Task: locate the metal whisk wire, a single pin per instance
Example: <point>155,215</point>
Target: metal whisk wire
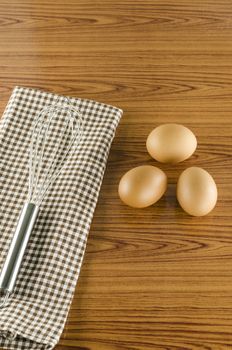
<point>39,183</point>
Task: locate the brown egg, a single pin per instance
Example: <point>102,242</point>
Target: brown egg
<point>142,186</point>
<point>196,191</point>
<point>171,143</point>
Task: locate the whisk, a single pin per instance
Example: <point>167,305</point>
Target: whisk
<point>56,132</point>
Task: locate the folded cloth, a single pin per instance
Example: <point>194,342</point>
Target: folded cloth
<point>37,311</point>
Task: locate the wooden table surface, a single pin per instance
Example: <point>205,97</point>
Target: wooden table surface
<point>154,278</point>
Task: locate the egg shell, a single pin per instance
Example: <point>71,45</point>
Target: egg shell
<point>196,191</point>
<point>142,186</point>
<point>171,143</point>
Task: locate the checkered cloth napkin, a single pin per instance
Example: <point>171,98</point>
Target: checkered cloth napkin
<point>37,311</point>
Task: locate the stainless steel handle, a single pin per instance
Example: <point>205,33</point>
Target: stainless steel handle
<point>17,248</point>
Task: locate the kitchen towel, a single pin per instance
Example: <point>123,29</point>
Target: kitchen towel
<point>37,311</point>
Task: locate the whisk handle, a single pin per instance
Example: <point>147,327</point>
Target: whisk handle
<point>18,246</point>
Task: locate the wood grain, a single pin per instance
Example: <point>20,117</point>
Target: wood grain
<point>155,278</point>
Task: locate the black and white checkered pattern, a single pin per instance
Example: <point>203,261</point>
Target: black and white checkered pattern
<point>36,314</point>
